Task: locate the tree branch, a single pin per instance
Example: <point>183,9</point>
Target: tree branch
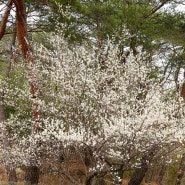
<point>155,9</point>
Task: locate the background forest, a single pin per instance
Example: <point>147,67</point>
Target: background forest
<point>92,92</point>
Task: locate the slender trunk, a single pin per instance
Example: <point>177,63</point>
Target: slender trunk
<point>88,157</point>
<point>161,174</point>
<point>5,19</point>
<point>176,76</point>
<point>2,114</point>
<point>139,173</point>
<point>133,46</point>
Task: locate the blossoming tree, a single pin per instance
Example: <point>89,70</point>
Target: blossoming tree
<point>115,118</point>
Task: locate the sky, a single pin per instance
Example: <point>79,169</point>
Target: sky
<point>179,8</point>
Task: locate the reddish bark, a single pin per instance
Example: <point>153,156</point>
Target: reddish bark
<point>21,28</point>
<point>5,19</point>
<point>32,173</point>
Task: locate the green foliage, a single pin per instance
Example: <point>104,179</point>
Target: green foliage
<point>41,38</point>
<point>9,110</point>
<point>172,174</point>
<point>2,70</point>
<point>178,60</point>
<point>95,21</point>
<point>16,100</point>
<point>21,130</point>
<point>173,28</point>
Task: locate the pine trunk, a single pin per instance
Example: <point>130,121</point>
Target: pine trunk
<point>32,172</point>
<point>4,19</point>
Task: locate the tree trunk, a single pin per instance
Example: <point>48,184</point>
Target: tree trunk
<point>12,176</point>
<point>2,114</point>
<point>5,19</point>
<point>183,88</point>
<point>138,176</point>
<point>96,178</point>
<point>21,30</point>
<point>95,181</point>
<point>161,174</point>
<point>32,175</point>
<point>139,173</point>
